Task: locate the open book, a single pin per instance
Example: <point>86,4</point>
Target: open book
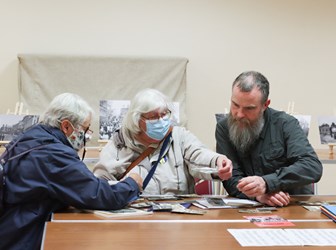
<point>213,202</point>
<point>125,212</point>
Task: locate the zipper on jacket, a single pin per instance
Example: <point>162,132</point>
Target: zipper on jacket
<point>178,178</point>
<point>118,150</point>
<point>176,166</point>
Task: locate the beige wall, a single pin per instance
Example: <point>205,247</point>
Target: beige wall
<point>293,42</point>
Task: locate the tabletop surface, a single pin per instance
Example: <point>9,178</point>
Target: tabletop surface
<point>72,229</point>
<point>155,235</point>
<point>291,212</point>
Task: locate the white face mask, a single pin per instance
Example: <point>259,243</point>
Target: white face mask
<point>78,138</point>
<point>157,130</point>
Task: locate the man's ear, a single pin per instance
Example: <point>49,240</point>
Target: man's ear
<point>267,103</point>
<point>66,127</point>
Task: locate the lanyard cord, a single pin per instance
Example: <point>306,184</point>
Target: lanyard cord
<point>152,170</point>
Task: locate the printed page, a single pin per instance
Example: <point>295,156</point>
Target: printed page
<point>315,237</point>
<point>264,237</point>
<point>284,237</point>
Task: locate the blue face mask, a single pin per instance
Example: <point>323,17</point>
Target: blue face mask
<point>157,130</point>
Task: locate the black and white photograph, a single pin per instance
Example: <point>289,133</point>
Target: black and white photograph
<point>304,121</point>
<point>13,125</point>
<point>112,113</point>
<point>327,129</point>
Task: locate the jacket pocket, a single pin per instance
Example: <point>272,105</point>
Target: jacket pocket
<point>274,157</point>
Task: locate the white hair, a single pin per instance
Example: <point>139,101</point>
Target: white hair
<point>143,102</point>
<point>67,106</point>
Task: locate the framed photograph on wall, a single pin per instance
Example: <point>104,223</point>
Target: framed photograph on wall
<point>304,121</point>
<point>13,125</point>
<point>327,129</point>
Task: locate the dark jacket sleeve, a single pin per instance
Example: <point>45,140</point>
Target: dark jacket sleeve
<point>291,156</point>
<point>71,182</point>
<point>225,147</point>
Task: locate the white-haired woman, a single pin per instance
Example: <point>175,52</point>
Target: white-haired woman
<point>167,157</point>
<point>42,172</point>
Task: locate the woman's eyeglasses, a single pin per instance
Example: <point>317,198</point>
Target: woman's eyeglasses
<point>153,119</point>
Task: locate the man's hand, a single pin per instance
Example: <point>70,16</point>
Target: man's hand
<point>224,167</point>
<point>137,178</point>
<point>279,199</point>
<point>252,186</point>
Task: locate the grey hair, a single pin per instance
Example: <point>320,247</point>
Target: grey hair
<point>67,106</point>
<point>246,81</point>
<point>143,102</point>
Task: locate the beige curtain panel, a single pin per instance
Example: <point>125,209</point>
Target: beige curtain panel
<point>95,78</point>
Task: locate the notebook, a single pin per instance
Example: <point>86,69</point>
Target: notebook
<point>329,211</point>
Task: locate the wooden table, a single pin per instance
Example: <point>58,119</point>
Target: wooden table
<point>164,230</point>
<point>155,235</point>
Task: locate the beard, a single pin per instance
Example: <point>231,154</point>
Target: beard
<point>243,133</point>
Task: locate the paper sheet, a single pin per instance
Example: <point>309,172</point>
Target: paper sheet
<point>284,237</point>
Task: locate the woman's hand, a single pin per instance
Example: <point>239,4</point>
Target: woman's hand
<point>224,166</point>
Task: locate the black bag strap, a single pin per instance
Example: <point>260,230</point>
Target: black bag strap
<point>152,170</point>
<point>3,161</point>
<point>2,182</point>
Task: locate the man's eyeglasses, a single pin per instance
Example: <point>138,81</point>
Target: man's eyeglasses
<point>153,119</point>
<point>87,130</point>
<point>87,136</point>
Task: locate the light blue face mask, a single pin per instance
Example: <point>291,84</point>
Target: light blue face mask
<point>157,130</point>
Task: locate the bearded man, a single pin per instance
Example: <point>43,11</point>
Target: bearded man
<point>271,155</point>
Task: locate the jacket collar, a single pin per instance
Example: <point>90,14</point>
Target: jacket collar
<point>267,120</point>
<point>57,133</point>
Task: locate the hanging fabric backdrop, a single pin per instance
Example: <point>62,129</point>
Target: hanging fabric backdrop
<point>95,78</point>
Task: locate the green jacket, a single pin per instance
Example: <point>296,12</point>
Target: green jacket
<point>282,156</point>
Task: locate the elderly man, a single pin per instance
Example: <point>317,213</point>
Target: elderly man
<point>42,173</point>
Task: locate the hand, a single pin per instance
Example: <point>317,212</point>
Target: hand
<point>252,186</point>
<point>279,199</point>
<point>224,167</point>
<point>137,178</point>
